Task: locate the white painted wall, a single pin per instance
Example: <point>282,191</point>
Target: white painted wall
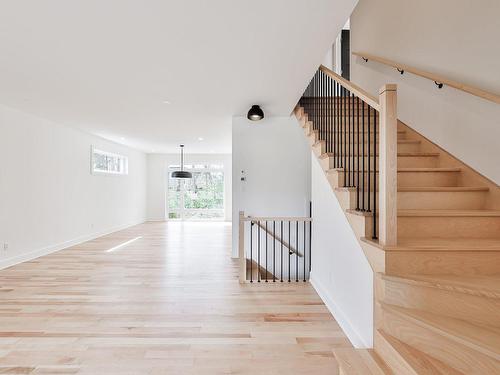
<point>340,272</point>
<point>158,180</point>
<point>455,38</point>
<point>276,160</point>
<point>48,197</point>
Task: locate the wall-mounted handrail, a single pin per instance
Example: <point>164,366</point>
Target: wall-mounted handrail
<point>436,78</point>
<point>358,91</point>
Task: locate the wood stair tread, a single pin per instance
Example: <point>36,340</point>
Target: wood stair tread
<point>438,189</point>
<point>439,244</point>
<point>418,361</point>
<point>431,213</point>
<point>485,286</point>
<point>449,213</point>
<point>359,361</point>
<point>481,338</point>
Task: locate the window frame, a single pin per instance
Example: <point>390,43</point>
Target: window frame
<point>220,168</point>
<point>123,159</point>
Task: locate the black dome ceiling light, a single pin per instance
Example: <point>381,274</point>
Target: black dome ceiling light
<point>182,173</point>
<point>255,113</point>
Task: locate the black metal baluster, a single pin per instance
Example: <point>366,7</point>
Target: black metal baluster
<point>258,252</point>
<point>337,118</point>
<point>282,239</point>
<point>334,119</point>
<point>251,255</point>
<point>353,159</point>
<point>349,138</point>
<point>369,208</point>
<point>375,162</point>
<point>297,251</point>
<point>363,158</point>
<point>328,108</point>
<point>274,251</point>
<point>289,251</point>
<point>310,236</point>
<point>267,236</point>
<point>357,156</point>
<point>304,251</point>
<point>344,130</point>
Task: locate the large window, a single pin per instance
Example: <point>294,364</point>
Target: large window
<point>197,198</point>
<point>108,163</point>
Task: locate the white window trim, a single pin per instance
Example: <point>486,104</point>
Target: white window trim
<point>94,149</point>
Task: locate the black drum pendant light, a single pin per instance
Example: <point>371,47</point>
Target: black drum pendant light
<point>255,113</point>
<point>182,173</point>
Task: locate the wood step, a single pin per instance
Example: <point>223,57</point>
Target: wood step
<point>475,299</point>
<point>405,160</point>
<point>478,224</point>
<point>359,361</point>
<point>407,177</point>
<point>467,347</point>
<point>440,244</point>
<point>404,359</point>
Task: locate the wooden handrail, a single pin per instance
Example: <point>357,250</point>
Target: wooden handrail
<point>358,91</point>
<point>433,77</point>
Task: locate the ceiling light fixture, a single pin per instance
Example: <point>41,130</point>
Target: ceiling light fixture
<point>166,102</point>
<point>200,138</point>
<point>182,173</point>
<point>255,113</point>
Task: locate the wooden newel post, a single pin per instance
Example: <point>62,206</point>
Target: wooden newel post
<point>241,248</point>
<point>388,165</point>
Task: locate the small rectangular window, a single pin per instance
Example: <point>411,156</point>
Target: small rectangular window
<point>108,163</point>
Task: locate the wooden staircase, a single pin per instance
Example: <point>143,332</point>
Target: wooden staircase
<point>437,291</point>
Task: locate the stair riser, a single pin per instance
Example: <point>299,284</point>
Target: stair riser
<point>403,162</point>
<point>449,262</point>
<point>405,179</point>
<point>478,309</point>
<point>445,200</point>
<point>417,161</point>
<point>425,179</point>
<point>391,356</point>
<point>441,347</point>
<point>418,200</point>
<point>449,227</point>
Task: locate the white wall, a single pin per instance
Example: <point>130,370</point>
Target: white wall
<point>455,38</point>
<point>48,197</point>
<point>158,179</point>
<point>340,272</point>
<point>276,159</point>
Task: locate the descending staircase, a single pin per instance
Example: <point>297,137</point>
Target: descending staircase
<point>437,291</point>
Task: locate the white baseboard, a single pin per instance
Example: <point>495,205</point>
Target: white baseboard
<point>354,337</point>
<point>30,255</point>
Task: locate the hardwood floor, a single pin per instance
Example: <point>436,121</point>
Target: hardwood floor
<point>166,302</point>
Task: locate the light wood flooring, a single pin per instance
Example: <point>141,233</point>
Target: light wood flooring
<point>167,302</point>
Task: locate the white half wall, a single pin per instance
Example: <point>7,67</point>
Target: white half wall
<point>158,180</point>
<point>274,159</point>
<point>340,272</point>
<point>49,199</point>
<point>454,38</point>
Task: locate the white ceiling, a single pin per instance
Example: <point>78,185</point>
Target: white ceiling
<point>107,66</point>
